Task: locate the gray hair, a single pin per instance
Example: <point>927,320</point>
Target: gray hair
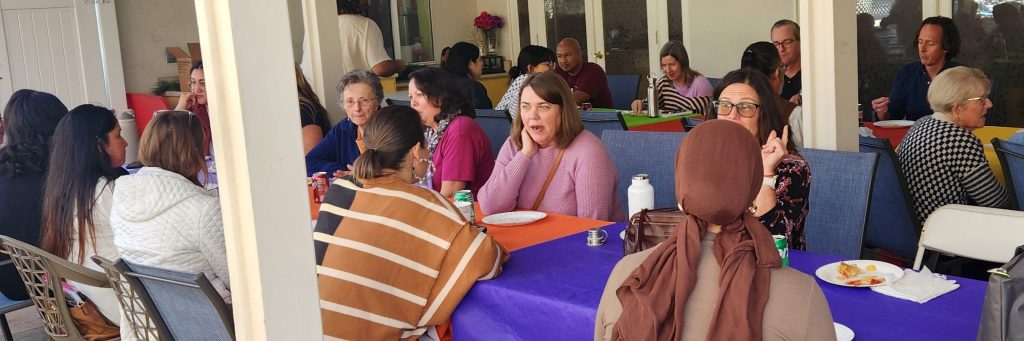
<point>954,86</point>
<point>356,77</point>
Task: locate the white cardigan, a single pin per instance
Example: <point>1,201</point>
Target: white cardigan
<point>161,219</point>
<point>104,236</point>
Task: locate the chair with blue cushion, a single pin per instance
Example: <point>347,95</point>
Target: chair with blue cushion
<point>144,325</point>
<point>392,101</point>
<point>188,305</point>
<point>714,81</point>
<point>1011,157</point>
<point>496,124</point>
<point>651,153</point>
<point>8,305</point>
<point>599,121</point>
<point>839,201</point>
<point>624,89</point>
<point>892,223</point>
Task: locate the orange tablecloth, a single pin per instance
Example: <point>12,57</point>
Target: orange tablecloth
<point>552,227</point>
<point>895,135</point>
<point>985,134</point>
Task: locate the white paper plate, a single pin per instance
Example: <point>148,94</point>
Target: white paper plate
<point>843,333</point>
<point>830,272</point>
<point>894,124</point>
<point>514,218</point>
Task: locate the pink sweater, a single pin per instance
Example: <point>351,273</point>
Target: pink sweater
<point>584,184</point>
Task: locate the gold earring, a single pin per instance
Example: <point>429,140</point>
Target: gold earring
<point>752,209</point>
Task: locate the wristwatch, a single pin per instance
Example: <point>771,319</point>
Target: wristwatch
<point>769,181</point>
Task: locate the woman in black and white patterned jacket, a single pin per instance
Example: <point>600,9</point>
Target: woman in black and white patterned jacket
<point>943,161</point>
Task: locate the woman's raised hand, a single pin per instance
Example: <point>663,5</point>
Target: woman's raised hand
<point>773,150</point>
<point>529,146</point>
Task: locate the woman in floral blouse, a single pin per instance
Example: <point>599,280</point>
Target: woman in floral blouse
<point>782,202</point>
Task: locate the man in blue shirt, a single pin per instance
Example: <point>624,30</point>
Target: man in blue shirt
<point>938,41</point>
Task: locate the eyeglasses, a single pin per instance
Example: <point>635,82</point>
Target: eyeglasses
<point>193,84</point>
<point>363,102</point>
<point>724,108</point>
<point>981,99</point>
<point>788,43</point>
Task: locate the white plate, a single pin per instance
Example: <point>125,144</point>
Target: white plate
<point>843,333</point>
<point>830,273</point>
<point>514,218</point>
<point>894,124</point>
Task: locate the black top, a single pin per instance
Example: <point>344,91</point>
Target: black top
<point>308,117</point>
<point>476,92</point>
<point>21,205</point>
<point>791,86</point>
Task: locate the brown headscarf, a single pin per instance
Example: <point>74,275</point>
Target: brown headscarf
<point>727,159</point>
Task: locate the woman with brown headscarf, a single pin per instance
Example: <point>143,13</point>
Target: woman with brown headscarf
<point>718,276</point>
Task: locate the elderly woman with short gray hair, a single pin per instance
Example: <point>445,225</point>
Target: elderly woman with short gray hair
<point>360,94</point>
<point>943,161</point>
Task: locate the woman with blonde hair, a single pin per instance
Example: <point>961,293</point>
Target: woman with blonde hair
<point>550,162</point>
<point>162,216</point>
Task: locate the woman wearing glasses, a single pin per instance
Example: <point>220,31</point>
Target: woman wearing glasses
<point>360,96</point>
<point>533,59</point>
<point>680,88</point>
<point>195,101</point>
<point>943,160</point>
<point>745,97</point>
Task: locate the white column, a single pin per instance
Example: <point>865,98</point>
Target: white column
<point>324,53</point>
<point>828,50</point>
<point>110,50</point>
<point>253,104</point>
<point>931,8</point>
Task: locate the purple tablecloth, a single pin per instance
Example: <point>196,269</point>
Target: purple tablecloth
<point>551,291</point>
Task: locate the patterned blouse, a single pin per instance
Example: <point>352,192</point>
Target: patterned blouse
<point>945,164</point>
<point>510,100</point>
<point>792,189</point>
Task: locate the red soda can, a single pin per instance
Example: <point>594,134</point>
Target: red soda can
<point>587,106</point>
<point>320,186</point>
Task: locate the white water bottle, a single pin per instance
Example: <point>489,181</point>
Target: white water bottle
<point>640,194</point>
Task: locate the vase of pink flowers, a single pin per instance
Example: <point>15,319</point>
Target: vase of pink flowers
<point>489,24</point>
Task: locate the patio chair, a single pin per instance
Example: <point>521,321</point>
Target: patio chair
<point>8,305</point>
<point>624,89</point>
<point>838,203</point>
<point>144,325</point>
<point>191,309</point>
<point>47,295</point>
<point>651,153</point>
<point>1011,158</point>
<point>599,121</point>
<point>892,223</point>
<point>496,124</point>
<point>392,101</point>
<point>995,240</point>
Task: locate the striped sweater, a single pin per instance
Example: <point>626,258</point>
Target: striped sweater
<point>670,100</point>
<point>393,259</point>
<point>945,164</point>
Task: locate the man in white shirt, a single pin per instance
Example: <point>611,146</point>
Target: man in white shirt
<point>362,44</point>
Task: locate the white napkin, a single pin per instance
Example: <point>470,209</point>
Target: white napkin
<point>865,131</point>
<point>919,287</point>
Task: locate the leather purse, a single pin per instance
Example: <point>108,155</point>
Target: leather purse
<point>647,228</point>
<point>91,324</point>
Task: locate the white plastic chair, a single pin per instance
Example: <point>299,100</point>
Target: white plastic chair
<point>983,233</point>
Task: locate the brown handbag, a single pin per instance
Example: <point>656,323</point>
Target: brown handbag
<point>91,323</point>
<point>647,228</point>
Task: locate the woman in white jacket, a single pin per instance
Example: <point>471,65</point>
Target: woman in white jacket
<point>87,155</point>
<point>162,216</point>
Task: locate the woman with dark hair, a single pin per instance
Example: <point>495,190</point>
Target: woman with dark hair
<point>87,155</point>
<point>29,121</point>
<point>315,124</point>
<point>162,216</point>
<point>533,59</point>
<point>718,276</point>
<point>938,42</point>
<point>763,56</point>
<point>680,88</point>
<point>459,148</point>
<point>465,63</point>
<point>383,194</point>
<point>745,97</point>
<point>550,163</point>
<point>195,101</point>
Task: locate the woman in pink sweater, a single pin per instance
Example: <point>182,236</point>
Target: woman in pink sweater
<point>548,142</point>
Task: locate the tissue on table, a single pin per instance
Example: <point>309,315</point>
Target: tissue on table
<point>919,287</point>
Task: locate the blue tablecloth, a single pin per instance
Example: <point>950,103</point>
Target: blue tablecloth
<point>551,291</point>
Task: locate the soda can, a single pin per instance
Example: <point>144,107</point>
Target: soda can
<point>782,244</point>
<point>319,186</point>
<point>464,202</point>
<point>586,106</point>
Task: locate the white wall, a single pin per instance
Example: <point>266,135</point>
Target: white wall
<point>146,27</point>
<point>503,9</point>
<point>452,22</point>
<point>716,31</point>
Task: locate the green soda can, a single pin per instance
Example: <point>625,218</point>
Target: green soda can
<point>782,244</point>
<point>464,202</point>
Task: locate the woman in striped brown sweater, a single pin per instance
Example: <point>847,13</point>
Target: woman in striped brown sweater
<point>394,259</point>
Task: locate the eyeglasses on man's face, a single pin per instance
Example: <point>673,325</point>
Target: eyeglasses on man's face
<point>744,109</point>
<point>788,43</point>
